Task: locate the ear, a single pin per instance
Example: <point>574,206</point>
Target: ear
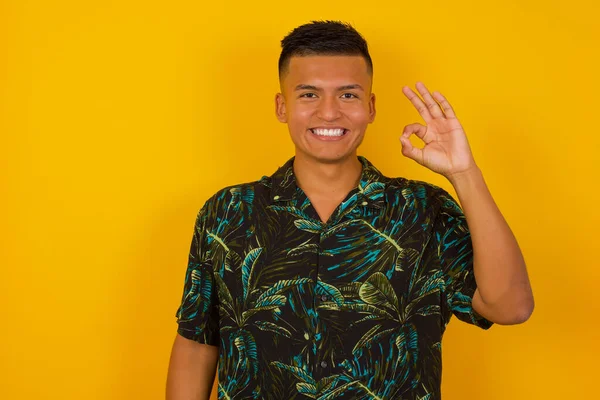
<point>372,110</point>
<point>280,108</point>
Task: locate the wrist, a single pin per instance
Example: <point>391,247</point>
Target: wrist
<point>465,177</point>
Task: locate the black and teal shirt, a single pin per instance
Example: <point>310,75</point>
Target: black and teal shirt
<point>354,308</point>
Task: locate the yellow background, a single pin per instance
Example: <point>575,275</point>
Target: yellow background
<point>120,118</point>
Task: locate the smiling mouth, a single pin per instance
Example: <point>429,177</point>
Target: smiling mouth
<point>337,132</point>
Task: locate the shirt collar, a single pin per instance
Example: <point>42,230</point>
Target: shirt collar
<point>370,190</point>
<point>284,182</point>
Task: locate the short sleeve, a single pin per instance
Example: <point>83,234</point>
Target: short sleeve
<point>455,252</point>
<point>197,315</point>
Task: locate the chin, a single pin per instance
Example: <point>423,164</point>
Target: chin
<point>328,158</point>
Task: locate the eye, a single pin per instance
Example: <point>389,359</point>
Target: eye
<point>349,96</point>
<point>308,95</point>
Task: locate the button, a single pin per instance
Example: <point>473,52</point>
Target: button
<point>323,364</point>
<point>364,203</point>
<point>324,297</point>
<point>276,198</point>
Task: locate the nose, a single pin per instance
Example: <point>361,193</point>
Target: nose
<point>328,109</point>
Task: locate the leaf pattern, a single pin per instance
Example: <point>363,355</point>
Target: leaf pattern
<point>351,308</point>
<point>248,267</point>
<point>269,326</point>
<point>378,291</point>
<point>325,289</point>
<point>366,337</point>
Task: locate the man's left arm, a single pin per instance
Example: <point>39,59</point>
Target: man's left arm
<point>503,294</point>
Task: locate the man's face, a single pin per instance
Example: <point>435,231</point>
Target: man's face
<point>327,103</point>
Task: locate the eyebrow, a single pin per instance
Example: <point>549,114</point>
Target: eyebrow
<point>303,86</point>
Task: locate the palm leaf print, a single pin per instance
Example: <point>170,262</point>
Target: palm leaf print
<point>247,268</point>
<point>232,260</point>
<point>367,318</point>
<point>242,197</point>
<point>298,372</point>
<point>215,237</point>
<point>411,194</point>
<point>199,294</point>
<point>429,310</point>
<point>306,389</point>
<point>460,302</point>
<point>331,291</point>
<point>433,284</point>
<point>276,300</point>
<point>304,248</point>
<point>281,286</point>
<point>269,326</point>
<point>406,258</point>
<point>328,382</point>
<point>289,209</point>
<point>223,393</point>
<point>267,303</point>
<point>339,390</point>
<point>351,290</point>
<point>205,283</point>
<point>247,355</point>
<point>407,345</point>
<point>308,226</point>
<point>343,225</point>
<point>223,293</point>
<point>377,290</point>
<point>366,337</point>
<point>342,389</point>
<point>371,188</point>
<point>361,308</point>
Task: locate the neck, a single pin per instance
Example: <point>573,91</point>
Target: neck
<point>330,180</point>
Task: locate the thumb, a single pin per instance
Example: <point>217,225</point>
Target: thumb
<point>410,151</point>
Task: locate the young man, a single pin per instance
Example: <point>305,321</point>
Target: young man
<point>327,279</point>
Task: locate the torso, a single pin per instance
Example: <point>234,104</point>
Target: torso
<point>351,308</point>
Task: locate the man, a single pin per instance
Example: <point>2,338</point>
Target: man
<point>327,279</point>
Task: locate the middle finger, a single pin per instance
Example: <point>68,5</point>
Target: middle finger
<point>432,105</point>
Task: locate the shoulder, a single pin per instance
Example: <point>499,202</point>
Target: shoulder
<point>420,193</point>
<point>245,193</point>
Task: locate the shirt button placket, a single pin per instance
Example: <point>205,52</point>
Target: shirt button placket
<point>322,363</point>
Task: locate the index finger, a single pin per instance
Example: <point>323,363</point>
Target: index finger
<point>418,103</point>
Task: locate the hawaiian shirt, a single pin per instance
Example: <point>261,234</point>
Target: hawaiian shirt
<point>354,308</point>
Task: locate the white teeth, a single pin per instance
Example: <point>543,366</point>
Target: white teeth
<point>328,132</point>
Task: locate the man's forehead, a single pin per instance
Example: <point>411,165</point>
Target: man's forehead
<point>314,62</point>
<point>327,70</point>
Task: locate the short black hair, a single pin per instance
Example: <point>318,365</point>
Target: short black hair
<point>326,38</point>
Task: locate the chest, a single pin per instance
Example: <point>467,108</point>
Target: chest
<point>289,242</point>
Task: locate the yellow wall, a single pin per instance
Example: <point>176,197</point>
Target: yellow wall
<point>118,119</point>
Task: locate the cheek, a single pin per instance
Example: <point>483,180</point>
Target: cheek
<point>300,117</point>
<point>358,115</point>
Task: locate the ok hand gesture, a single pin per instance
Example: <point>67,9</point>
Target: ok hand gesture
<point>446,149</point>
